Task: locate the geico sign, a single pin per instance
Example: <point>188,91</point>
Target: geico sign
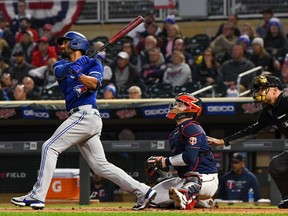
<point>156,111</point>
<point>222,108</point>
<point>56,186</point>
<point>104,115</point>
<point>36,114</point>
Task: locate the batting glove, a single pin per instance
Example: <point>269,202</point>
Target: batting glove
<point>83,60</point>
<point>76,70</point>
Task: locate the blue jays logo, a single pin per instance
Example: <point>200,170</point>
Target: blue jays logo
<point>80,89</point>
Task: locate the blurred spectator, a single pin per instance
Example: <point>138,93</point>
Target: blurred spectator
<point>262,29</point>
<point>5,50</point>
<point>101,56</point>
<point>7,86</point>
<point>135,92</point>
<point>129,48</point>
<point>44,76</point>
<point>152,72</point>
<point>173,32</point>
<point>124,73</point>
<point>231,18</point>
<point>20,13</point>
<point>25,25</point>
<point>7,33</point>
<point>169,20</point>
<point>20,68</point>
<point>109,92</point>
<point>248,29</point>
<point>179,73</point>
<point>150,43</point>
<point>4,67</point>
<point>275,41</point>
<point>32,92</point>
<point>26,45</point>
<point>284,75</point>
<point>260,57</point>
<point>179,44</point>
<point>19,92</point>
<point>207,72</point>
<point>235,184</point>
<point>230,69</point>
<point>102,189</point>
<point>49,33</point>
<point>44,52</point>
<point>244,41</point>
<point>223,43</point>
<point>135,33</point>
<point>151,30</point>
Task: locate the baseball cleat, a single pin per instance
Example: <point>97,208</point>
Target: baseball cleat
<point>179,198</point>
<point>144,201</point>
<point>283,204</point>
<point>28,201</point>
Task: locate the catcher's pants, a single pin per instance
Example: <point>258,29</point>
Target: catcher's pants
<point>208,189</point>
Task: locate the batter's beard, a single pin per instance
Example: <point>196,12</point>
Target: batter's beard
<point>64,55</point>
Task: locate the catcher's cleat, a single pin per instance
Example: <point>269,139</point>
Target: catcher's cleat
<point>143,202</point>
<point>283,204</point>
<point>28,201</point>
<point>181,200</point>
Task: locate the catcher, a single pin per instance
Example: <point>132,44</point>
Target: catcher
<point>191,157</point>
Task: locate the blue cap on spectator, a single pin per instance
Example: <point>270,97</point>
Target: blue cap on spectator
<point>111,88</point>
<point>170,19</point>
<point>237,157</point>
<point>274,21</point>
<point>244,38</point>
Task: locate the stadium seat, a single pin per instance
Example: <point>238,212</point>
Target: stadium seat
<point>160,90</point>
<point>197,44</point>
<point>53,93</point>
<point>188,87</point>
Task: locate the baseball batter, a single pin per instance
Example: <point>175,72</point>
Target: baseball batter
<point>79,78</point>
<point>191,158</point>
<point>268,91</point>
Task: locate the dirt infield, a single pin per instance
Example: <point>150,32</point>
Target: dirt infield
<point>221,210</point>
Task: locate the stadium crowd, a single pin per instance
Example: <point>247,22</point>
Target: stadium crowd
<point>157,58</point>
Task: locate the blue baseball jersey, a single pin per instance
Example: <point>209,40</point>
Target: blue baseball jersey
<point>189,139</point>
<point>236,187</point>
<point>76,94</point>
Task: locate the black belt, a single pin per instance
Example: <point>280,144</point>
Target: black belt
<point>77,109</point>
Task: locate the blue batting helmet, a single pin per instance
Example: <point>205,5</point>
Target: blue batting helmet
<point>77,41</point>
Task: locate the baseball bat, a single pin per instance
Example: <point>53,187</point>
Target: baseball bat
<point>126,29</point>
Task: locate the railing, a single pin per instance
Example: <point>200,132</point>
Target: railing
<point>206,88</point>
<point>241,75</point>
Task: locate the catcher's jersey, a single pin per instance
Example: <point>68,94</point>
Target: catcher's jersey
<point>76,94</point>
<point>189,139</point>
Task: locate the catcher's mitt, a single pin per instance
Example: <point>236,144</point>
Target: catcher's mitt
<point>153,169</point>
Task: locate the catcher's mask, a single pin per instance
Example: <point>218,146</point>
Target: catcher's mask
<point>185,106</point>
<point>261,85</point>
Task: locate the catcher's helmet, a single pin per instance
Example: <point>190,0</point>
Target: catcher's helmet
<point>193,107</point>
<point>263,82</point>
<point>77,41</point>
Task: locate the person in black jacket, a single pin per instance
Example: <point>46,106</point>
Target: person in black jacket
<point>268,91</point>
